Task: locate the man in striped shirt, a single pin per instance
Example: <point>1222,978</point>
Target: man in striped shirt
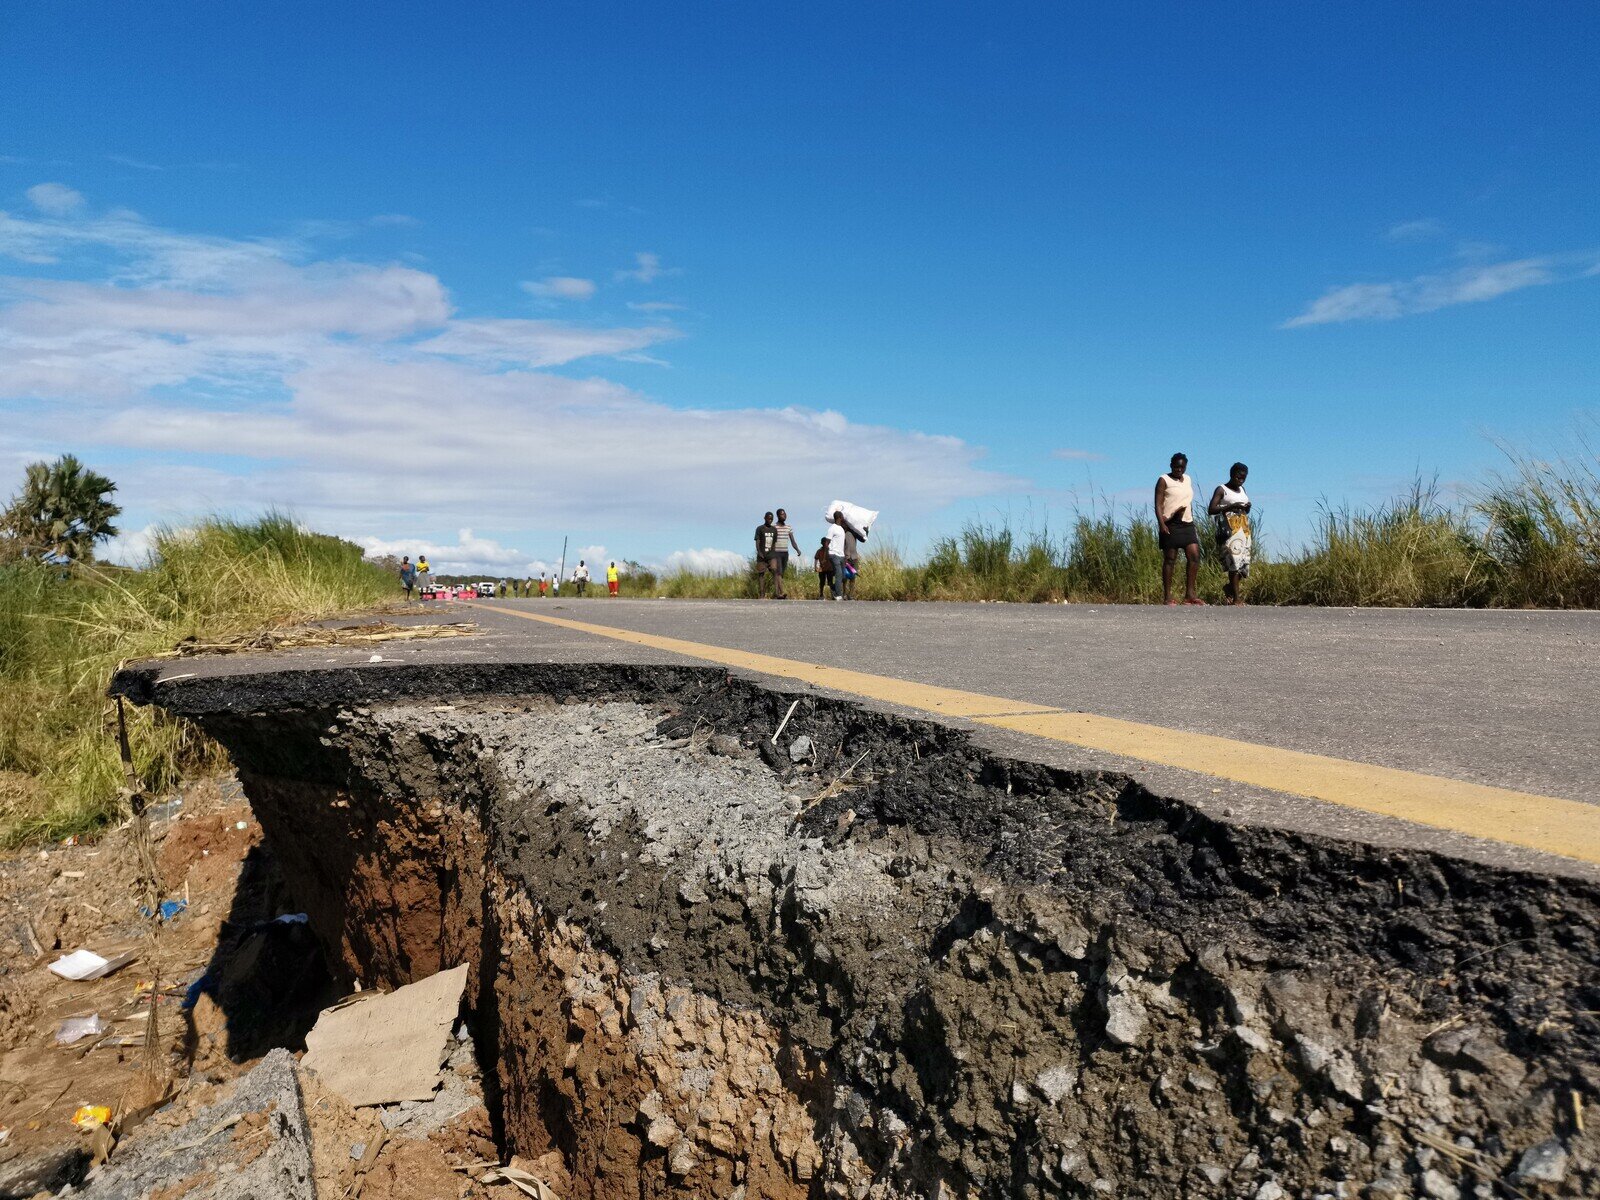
<point>781,545</point>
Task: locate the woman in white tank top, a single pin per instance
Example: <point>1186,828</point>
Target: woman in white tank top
<point>1230,507</point>
<point>1175,519</point>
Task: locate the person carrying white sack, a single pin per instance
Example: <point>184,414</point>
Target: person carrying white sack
<point>855,523</point>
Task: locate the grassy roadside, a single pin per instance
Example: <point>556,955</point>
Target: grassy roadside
<point>1530,538</point>
<point>61,638</point>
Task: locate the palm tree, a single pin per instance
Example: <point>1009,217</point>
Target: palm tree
<point>62,510</point>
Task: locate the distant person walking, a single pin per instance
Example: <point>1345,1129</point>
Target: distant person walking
<point>613,579</point>
<point>766,544</point>
<point>424,573</point>
<point>1175,519</point>
<point>782,544</point>
<point>580,577</point>
<point>835,540</point>
<point>1231,508</point>
<point>544,586</point>
<point>408,575</point>
<point>824,565</point>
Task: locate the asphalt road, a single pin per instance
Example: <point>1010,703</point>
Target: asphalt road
<point>1509,699</point>
<point>1505,699</point>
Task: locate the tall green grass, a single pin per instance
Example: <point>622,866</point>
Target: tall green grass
<point>1543,531</point>
<point>63,634</point>
<point>1412,552</point>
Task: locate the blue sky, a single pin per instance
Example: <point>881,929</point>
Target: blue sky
<point>634,273</point>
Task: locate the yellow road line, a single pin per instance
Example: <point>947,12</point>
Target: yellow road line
<point>1545,823</point>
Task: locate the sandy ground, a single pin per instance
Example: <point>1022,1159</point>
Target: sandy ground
<point>265,983</point>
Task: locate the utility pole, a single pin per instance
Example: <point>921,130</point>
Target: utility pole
<point>561,571</point>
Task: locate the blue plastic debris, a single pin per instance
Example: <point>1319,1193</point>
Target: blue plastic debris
<point>167,910</point>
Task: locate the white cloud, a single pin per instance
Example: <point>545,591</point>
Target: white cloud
<point>705,562</point>
<point>236,374</point>
<point>131,549</point>
<point>653,306</point>
<point>560,287</point>
<point>55,199</point>
<point>647,268</point>
<point>382,302</point>
<point>1067,454</point>
<point>469,554</point>
<point>138,164</point>
<point>1428,293</point>
<point>1416,231</point>
<point>538,343</point>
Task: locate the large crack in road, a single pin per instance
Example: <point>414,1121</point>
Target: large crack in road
<point>873,960</point>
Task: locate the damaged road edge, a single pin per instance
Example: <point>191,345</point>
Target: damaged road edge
<point>698,969</point>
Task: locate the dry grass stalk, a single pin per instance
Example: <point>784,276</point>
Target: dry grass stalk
<point>317,635</point>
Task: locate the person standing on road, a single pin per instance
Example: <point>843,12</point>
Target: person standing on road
<point>580,577</point>
<point>613,579</point>
<point>1175,519</point>
<point>544,586</point>
<point>824,566</point>
<point>408,575</point>
<point>766,543</point>
<point>836,537</point>
<point>781,545</point>
<point>1231,508</point>
<point>424,573</point>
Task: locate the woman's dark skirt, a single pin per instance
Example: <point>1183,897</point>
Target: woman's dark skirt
<point>1179,535</point>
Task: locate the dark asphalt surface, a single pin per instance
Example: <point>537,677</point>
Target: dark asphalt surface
<point>1508,699</point>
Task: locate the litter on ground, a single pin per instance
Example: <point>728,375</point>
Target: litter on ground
<point>82,965</point>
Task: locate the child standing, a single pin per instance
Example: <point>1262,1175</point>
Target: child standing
<point>824,571</point>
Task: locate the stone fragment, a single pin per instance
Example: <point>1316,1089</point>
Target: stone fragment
<point>1312,1055</point>
<point>725,744</point>
<point>663,1131</point>
<point>1438,1185</point>
<point>1056,1083</point>
<point>1251,1039</point>
<point>801,749</point>
<point>1270,1191</point>
<point>1125,1019</point>
<point>1214,1174</point>
<point>682,1159</point>
<point>1544,1163</point>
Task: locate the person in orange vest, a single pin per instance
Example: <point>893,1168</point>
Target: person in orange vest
<point>612,577</point>
<point>544,585</point>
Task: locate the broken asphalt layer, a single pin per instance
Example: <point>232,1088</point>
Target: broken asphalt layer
<point>1490,698</point>
<point>705,963</point>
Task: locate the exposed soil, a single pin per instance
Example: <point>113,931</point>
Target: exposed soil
<point>879,962</point>
<point>263,984</point>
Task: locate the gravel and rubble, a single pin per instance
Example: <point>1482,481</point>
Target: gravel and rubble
<point>891,964</point>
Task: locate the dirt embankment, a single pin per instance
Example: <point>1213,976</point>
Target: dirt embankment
<point>869,960</point>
